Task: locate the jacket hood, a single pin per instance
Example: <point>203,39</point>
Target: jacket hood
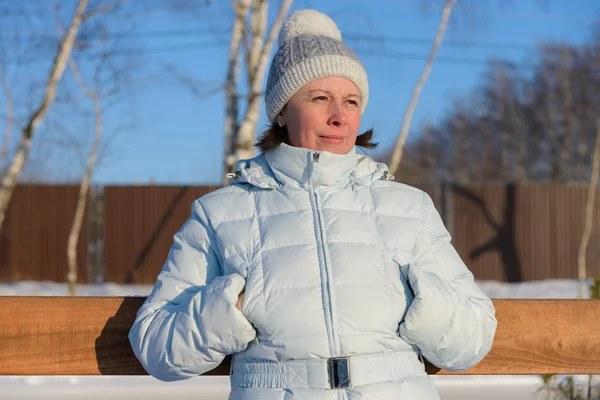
<point>286,165</point>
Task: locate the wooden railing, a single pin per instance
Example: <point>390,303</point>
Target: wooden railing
<point>88,336</point>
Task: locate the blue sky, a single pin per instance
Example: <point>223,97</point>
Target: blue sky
<point>177,136</point>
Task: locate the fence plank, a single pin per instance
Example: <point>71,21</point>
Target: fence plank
<point>524,232</point>
<point>502,232</point>
<point>139,226</point>
<point>88,336</point>
<point>33,241</point>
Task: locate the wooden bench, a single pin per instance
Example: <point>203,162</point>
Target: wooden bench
<point>88,336</point>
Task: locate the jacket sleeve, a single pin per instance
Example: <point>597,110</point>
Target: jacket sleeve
<point>189,322</point>
<point>450,319</point>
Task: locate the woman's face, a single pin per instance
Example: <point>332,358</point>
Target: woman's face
<point>324,115</point>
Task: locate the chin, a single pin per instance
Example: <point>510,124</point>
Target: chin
<point>334,148</point>
<point>337,149</point>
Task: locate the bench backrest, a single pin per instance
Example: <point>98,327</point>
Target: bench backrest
<point>88,336</point>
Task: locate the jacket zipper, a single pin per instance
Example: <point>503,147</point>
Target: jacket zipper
<point>334,347</point>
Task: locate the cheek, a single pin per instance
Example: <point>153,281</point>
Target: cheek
<point>298,131</point>
<point>312,124</point>
<point>305,125</point>
<point>294,125</point>
<point>354,123</point>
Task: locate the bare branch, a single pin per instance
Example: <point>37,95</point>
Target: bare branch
<point>285,7</point>
<point>99,69</point>
<point>246,43</point>
<point>58,68</point>
<point>196,86</point>
<point>79,78</point>
<point>396,157</point>
<point>258,28</point>
<point>72,65</point>
<point>104,9</point>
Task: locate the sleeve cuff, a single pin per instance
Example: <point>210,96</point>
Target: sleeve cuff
<point>225,328</point>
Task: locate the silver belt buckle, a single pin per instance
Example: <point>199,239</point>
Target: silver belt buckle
<point>339,372</point>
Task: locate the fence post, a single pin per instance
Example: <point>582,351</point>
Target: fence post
<point>447,205</point>
<point>96,235</point>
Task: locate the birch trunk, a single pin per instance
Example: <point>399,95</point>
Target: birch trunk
<point>84,189</point>
<point>396,158</point>
<point>56,73</point>
<point>589,215</point>
<point>247,132</point>
<point>9,110</point>
<point>231,87</point>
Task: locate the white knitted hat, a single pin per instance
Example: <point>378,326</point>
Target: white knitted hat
<point>310,47</point>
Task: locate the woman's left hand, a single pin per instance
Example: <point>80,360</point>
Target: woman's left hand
<point>240,302</point>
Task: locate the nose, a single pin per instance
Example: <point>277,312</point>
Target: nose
<point>337,117</point>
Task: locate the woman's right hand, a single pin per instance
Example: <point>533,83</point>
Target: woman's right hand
<point>240,302</point>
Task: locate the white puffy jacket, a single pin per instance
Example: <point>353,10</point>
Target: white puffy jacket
<point>349,278</point>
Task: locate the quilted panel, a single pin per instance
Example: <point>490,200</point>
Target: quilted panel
<point>331,257</point>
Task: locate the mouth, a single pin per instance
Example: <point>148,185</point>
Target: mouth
<point>332,139</point>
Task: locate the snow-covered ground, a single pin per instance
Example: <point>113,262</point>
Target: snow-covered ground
<point>550,289</point>
<point>216,388</point>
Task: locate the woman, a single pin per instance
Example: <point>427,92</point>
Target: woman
<point>322,277</point>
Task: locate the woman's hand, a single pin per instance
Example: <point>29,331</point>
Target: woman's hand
<point>240,302</point>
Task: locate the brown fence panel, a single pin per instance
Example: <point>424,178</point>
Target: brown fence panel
<point>475,211</point>
<point>139,224</point>
<point>33,242</point>
<point>529,232</point>
<point>505,233</point>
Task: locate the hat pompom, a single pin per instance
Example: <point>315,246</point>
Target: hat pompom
<point>309,22</point>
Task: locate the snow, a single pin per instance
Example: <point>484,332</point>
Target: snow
<point>217,388</point>
<point>549,289</point>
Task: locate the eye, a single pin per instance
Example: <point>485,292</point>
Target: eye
<point>320,98</point>
<point>353,103</point>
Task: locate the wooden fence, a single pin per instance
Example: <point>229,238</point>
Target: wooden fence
<point>139,226</point>
<point>522,233</point>
<point>88,336</point>
<point>33,241</point>
<point>506,233</point>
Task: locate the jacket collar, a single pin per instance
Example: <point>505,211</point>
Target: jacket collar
<point>309,167</point>
<point>262,175</point>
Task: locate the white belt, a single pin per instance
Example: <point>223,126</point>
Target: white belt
<point>333,373</point>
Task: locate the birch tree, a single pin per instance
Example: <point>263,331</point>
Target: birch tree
<point>106,80</point>
<point>544,119</point>
<point>9,107</point>
<point>589,217</point>
<point>593,54</point>
<point>56,73</point>
<point>250,34</point>
<point>94,96</point>
<point>231,127</point>
<point>470,9</point>
<point>396,157</point>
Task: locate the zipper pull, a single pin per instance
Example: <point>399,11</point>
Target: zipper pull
<point>235,175</point>
<point>387,176</point>
<point>313,169</point>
